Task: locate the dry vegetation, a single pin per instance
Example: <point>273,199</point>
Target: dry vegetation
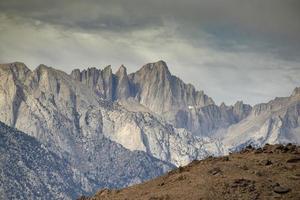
<point>271,172</point>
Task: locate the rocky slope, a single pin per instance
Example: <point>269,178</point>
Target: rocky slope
<point>272,172</point>
<point>31,171</point>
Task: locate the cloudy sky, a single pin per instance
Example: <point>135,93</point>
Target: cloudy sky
<point>233,49</point>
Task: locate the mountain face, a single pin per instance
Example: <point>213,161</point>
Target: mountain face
<point>121,129</point>
<point>68,119</point>
<point>155,88</point>
<point>31,171</point>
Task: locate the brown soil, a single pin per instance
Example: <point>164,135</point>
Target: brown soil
<point>272,172</point>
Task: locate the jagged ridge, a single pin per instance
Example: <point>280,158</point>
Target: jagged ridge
<point>157,89</point>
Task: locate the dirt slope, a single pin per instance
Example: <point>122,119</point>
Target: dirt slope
<point>272,172</point>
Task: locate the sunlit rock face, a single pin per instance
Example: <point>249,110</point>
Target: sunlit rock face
<point>154,87</point>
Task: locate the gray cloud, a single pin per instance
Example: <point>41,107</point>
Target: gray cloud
<point>234,49</point>
<point>268,16</point>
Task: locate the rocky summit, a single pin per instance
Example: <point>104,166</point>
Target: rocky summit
<point>271,172</point>
<point>120,129</point>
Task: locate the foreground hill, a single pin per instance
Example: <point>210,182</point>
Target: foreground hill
<point>272,172</point>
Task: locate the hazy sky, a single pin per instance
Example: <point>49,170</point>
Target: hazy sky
<point>233,49</point>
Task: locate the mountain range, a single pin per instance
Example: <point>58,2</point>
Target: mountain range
<point>117,129</point>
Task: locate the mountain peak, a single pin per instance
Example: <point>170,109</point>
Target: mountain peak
<point>15,66</point>
<point>42,66</point>
<point>162,65</point>
<point>122,71</point>
<point>122,67</point>
<point>108,69</point>
<point>223,105</point>
<point>159,66</point>
<point>239,103</point>
<point>19,70</point>
<point>161,62</point>
<point>296,92</point>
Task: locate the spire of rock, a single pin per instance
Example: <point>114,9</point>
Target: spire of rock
<point>296,92</point>
<point>238,103</point>
<point>107,69</point>
<point>108,82</point>
<point>241,110</point>
<point>123,85</point>
<point>121,71</point>
<point>75,74</point>
<point>223,105</point>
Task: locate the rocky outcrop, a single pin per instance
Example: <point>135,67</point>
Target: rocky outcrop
<point>296,92</point>
<point>123,89</point>
<point>101,82</point>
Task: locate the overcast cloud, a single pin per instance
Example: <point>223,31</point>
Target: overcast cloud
<point>233,49</point>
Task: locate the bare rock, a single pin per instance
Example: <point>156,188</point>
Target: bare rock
<point>266,162</point>
<point>281,190</point>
